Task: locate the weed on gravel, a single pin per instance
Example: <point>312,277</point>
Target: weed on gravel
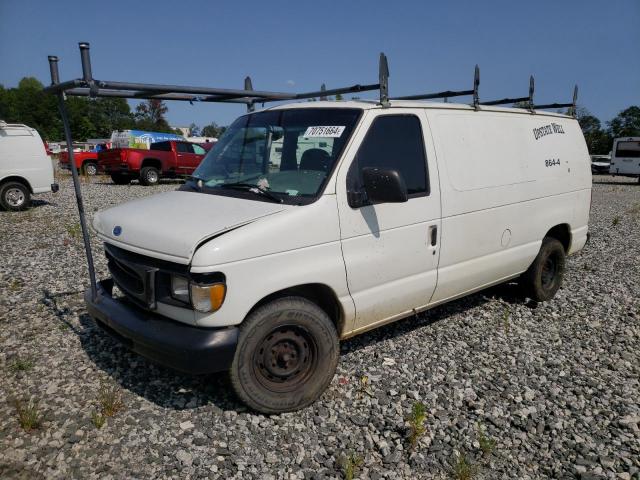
<point>462,468</point>
<point>487,444</point>
<point>110,402</point>
<point>416,421</point>
<point>29,415</point>
<point>21,365</point>
<point>351,465</point>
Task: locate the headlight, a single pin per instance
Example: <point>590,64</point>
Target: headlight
<point>203,297</point>
<point>207,298</point>
<point>180,288</point>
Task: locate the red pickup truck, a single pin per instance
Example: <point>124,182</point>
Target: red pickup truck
<point>86,161</point>
<point>163,159</point>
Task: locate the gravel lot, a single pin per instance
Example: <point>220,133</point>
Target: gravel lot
<point>549,390</point>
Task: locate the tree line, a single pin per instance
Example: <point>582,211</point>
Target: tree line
<point>599,138</point>
<point>97,118</point>
<point>88,117</point>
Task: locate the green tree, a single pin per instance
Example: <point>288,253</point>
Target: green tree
<point>194,130</point>
<point>598,140</point>
<point>626,123</point>
<point>150,115</point>
<point>212,130</point>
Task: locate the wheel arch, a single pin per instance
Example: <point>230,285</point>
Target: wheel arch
<point>151,162</point>
<point>562,233</point>
<point>17,178</point>
<point>318,293</point>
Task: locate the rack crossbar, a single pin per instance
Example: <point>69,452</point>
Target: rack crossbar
<point>505,101</point>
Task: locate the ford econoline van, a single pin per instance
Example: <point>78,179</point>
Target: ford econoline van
<point>25,167</point>
<point>368,215</point>
<point>625,157</point>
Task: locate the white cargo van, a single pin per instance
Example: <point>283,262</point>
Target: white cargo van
<point>25,167</point>
<point>261,267</point>
<point>625,157</point>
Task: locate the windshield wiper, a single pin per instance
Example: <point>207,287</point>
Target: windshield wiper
<point>250,187</point>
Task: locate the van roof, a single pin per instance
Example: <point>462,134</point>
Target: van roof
<point>374,104</point>
<point>4,124</point>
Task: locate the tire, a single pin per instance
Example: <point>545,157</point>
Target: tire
<point>90,168</point>
<point>14,196</point>
<point>286,356</point>
<point>543,278</point>
<point>120,179</point>
<point>149,176</point>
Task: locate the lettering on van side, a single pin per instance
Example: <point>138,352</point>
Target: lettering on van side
<point>547,130</point>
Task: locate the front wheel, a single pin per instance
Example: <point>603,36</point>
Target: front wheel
<point>14,196</point>
<point>90,168</point>
<point>286,356</point>
<point>149,176</point>
<point>544,277</point>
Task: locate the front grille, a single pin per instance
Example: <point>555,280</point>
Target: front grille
<point>126,277</point>
<point>137,281</point>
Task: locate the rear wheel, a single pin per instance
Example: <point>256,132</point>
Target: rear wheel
<point>14,196</point>
<point>120,179</point>
<point>544,277</point>
<point>90,168</point>
<point>286,356</point>
<point>149,176</point>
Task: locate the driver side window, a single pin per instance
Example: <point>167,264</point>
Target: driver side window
<point>393,142</point>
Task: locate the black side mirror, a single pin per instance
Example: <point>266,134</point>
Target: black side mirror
<point>384,185</point>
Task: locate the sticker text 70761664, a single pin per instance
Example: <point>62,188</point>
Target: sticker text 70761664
<point>324,131</point>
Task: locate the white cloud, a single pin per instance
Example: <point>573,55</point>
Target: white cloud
<point>291,83</point>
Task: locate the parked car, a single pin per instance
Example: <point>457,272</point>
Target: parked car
<point>600,163</point>
<point>25,167</point>
<point>261,267</point>
<point>86,160</point>
<point>162,159</point>
<point>625,157</point>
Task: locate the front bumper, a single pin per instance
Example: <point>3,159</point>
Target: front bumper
<point>182,347</point>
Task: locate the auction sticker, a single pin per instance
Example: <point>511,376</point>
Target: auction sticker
<point>324,131</point>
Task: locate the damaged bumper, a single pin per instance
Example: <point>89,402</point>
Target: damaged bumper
<point>182,347</point>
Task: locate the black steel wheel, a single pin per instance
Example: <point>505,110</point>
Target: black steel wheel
<point>544,277</point>
<point>286,356</point>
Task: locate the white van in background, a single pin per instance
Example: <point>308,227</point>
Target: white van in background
<point>625,157</point>
<point>25,167</point>
<point>260,267</point>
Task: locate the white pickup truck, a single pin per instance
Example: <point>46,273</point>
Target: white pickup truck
<point>261,267</point>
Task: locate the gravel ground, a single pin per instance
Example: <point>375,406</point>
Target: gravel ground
<point>511,389</point>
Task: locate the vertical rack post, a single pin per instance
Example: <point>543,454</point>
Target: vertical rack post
<point>249,86</point>
<point>531,90</point>
<point>573,109</point>
<point>55,78</point>
<point>383,76</point>
<point>476,84</point>
<point>323,88</point>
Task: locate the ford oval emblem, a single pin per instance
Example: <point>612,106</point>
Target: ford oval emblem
<point>117,230</point>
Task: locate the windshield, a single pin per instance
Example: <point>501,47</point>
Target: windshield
<point>283,154</point>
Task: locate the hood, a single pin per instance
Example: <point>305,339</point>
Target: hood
<point>171,225</point>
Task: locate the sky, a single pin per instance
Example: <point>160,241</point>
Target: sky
<point>295,46</point>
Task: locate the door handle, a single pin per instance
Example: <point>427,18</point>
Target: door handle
<point>433,230</point>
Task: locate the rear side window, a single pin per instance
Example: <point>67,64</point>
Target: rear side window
<point>393,141</point>
<point>164,146</point>
<point>628,149</point>
<point>198,150</point>
<point>184,147</point>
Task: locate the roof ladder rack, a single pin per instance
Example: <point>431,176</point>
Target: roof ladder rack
<point>450,93</point>
<point>505,101</point>
<point>571,106</point>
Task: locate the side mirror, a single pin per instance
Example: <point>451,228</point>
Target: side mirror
<point>384,185</point>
